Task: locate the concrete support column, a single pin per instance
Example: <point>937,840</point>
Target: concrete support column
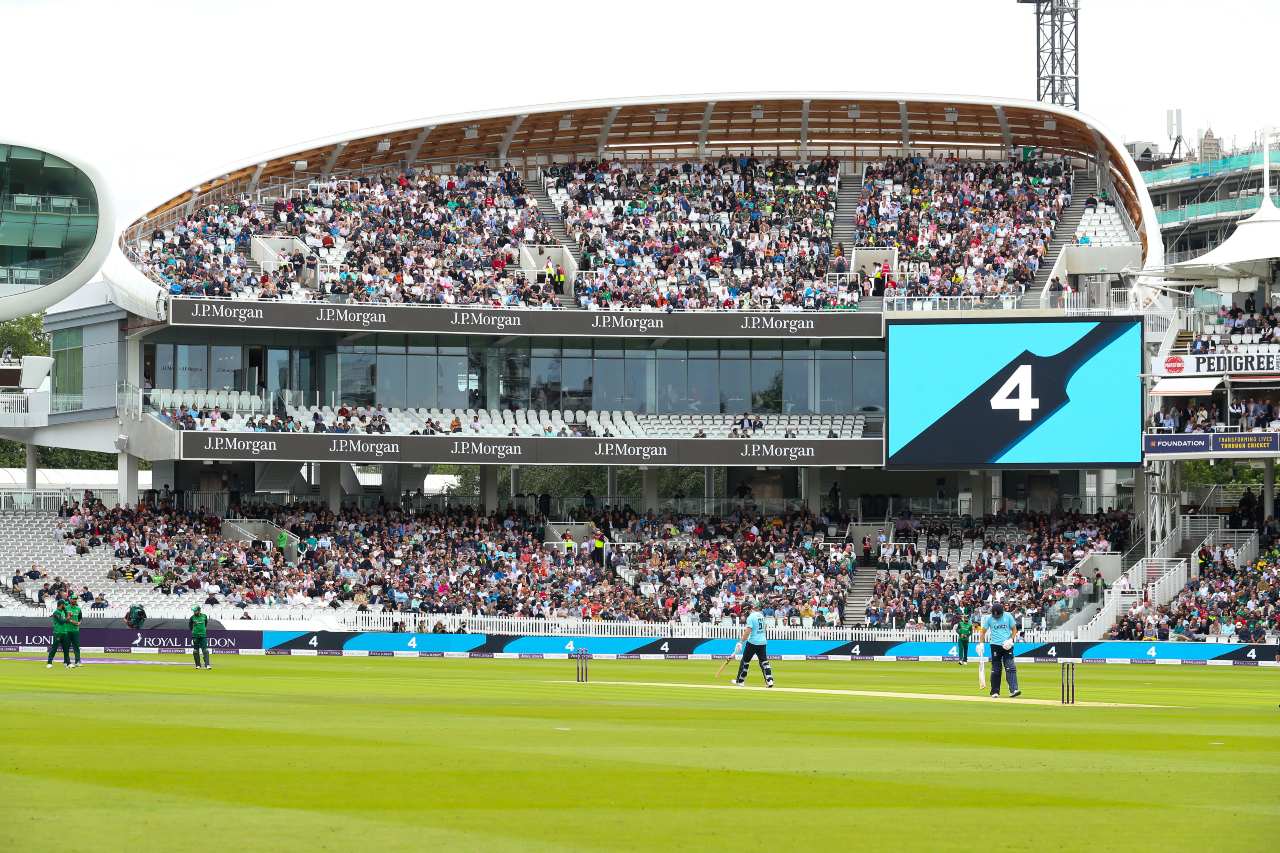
<point>610,484</point>
<point>489,488</point>
<point>515,480</point>
<point>1269,488</point>
<point>33,465</point>
<point>813,489</point>
<point>649,489</point>
<point>126,478</point>
<point>995,496</point>
<point>330,477</point>
<point>391,490</point>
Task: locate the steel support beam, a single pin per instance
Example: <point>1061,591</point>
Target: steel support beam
<point>411,156</point>
<point>804,131</point>
<point>510,135</point>
<point>706,126</point>
<point>602,140</point>
<point>332,160</point>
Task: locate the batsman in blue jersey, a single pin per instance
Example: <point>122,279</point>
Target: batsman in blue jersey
<point>753,640</point>
<point>1000,631</point>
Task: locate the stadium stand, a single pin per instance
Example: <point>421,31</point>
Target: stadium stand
<point>935,568</point>
<point>411,237</point>
<point>1226,602</point>
<point>668,567</point>
<point>735,234</point>
<point>971,228</point>
<point>216,412</point>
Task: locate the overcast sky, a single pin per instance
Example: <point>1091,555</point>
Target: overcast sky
<point>163,93</point>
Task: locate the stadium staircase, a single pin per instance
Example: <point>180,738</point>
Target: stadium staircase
<point>1064,234</point>
<point>556,225</point>
<point>855,609</point>
<point>842,229</point>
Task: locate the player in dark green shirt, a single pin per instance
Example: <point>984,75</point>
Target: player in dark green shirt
<point>59,619</point>
<point>964,628</point>
<point>72,631</point>
<point>199,625</point>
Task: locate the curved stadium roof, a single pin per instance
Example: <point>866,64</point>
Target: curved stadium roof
<point>839,124</point>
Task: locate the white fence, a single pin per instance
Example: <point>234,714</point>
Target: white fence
<point>33,500</point>
<point>324,618</point>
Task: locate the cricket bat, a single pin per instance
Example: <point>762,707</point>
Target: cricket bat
<point>982,668</point>
<point>725,662</point>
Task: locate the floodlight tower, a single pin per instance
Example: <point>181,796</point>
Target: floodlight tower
<point>1057,65</point>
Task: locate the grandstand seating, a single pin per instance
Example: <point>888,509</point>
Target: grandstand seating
<point>1103,227</point>
<point>981,227</point>
<point>247,415</point>
<point>410,237</point>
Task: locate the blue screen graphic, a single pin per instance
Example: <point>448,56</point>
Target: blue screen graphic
<point>1015,393</point>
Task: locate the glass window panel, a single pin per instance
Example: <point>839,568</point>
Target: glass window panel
<point>454,382</point>
<point>544,382</point>
<point>835,387</point>
<point>703,349</point>
<point>797,387</point>
<point>735,349</point>
<point>640,380</point>
<point>420,384</point>
<point>607,387</point>
<point>673,386</point>
<point>392,380</point>
<point>164,366</point>
<point>576,383</point>
<point>191,367</point>
<point>868,382</point>
<point>357,381</point>
<point>277,370</point>
<point>224,364</point>
<point>735,387</point>
<point>704,386</point>
<point>514,378</point>
<point>68,338</point>
<point>304,374</point>
<point>766,385</point>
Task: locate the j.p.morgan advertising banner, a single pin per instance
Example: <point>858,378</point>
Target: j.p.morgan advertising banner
<point>478,321</point>
<point>1219,364</point>
<point>330,447</point>
<point>1210,444</point>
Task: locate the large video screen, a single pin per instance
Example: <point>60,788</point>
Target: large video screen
<point>1055,393</point>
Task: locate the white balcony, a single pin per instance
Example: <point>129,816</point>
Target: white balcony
<point>24,409</point>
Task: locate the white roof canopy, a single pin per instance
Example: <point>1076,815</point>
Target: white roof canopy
<point>1249,251</point>
<point>1185,386</point>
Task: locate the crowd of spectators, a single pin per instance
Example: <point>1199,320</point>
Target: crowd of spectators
<point>1034,573</point>
<point>969,228</point>
<point>632,567</point>
<point>1203,414</point>
<point>409,237</point>
<point>1236,327</point>
<point>736,233</point>
<point>1225,601</point>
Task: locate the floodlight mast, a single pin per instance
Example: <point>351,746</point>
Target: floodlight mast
<point>1057,58</point>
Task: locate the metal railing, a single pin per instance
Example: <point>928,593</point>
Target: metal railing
<point>33,500</point>
<point>31,203</point>
<point>12,403</point>
<point>1208,209</point>
<point>67,402</point>
<point>1002,302</point>
<point>1191,171</point>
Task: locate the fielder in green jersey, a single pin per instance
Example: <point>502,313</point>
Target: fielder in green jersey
<point>964,629</point>
<point>59,619</point>
<point>72,631</point>
<point>199,625</point>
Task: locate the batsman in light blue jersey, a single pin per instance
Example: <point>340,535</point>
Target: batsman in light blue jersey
<point>753,640</point>
<point>1000,631</point>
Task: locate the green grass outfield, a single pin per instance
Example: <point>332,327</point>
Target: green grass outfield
<point>386,754</point>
